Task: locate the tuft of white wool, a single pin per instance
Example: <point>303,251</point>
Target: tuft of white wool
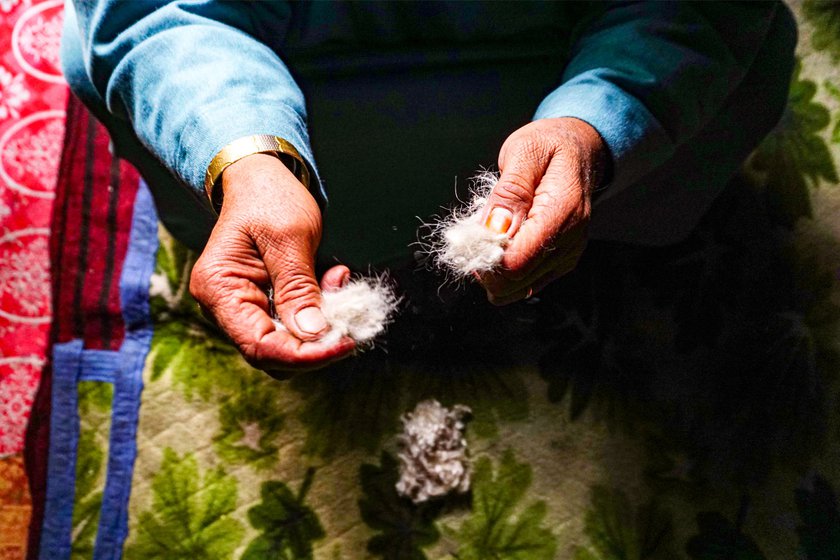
<point>361,309</point>
<point>433,452</point>
<point>460,243</point>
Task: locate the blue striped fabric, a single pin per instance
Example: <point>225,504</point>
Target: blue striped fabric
<point>72,364</point>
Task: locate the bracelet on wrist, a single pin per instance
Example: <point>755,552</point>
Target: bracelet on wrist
<point>246,146</point>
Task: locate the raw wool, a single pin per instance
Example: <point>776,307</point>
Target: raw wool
<point>361,309</point>
<point>433,452</point>
<point>459,243</point>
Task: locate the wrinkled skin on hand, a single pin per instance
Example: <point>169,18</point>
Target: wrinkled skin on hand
<point>549,169</point>
<point>270,226</point>
<point>267,234</point>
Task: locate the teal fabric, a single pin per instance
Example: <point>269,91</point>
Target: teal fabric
<point>402,97</point>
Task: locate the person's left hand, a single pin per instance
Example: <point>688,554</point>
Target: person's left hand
<point>549,169</point>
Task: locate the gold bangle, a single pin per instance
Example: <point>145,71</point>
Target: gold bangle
<point>250,145</point>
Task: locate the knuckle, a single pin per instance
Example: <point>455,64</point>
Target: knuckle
<point>296,233</point>
<point>533,145</point>
<point>516,274</point>
<point>492,283</point>
<point>253,353</point>
<point>199,278</point>
<point>250,352</point>
<point>516,265</point>
<point>207,282</point>
<point>196,287</point>
<point>526,142</point>
<point>295,286</point>
<point>495,290</point>
<point>514,190</point>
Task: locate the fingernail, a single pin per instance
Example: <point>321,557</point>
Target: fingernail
<point>310,320</point>
<point>499,220</point>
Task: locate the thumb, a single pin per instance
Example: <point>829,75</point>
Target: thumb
<point>512,197</point>
<point>297,296</point>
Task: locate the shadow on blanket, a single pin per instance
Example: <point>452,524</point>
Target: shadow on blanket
<point>715,348</point>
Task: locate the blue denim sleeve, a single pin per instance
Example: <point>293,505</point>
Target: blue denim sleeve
<point>649,76</point>
<point>190,77</point>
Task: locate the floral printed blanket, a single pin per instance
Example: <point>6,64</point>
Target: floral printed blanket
<point>677,402</point>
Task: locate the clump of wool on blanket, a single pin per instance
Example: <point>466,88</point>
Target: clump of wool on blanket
<point>362,309</point>
<point>433,452</point>
<point>459,243</point>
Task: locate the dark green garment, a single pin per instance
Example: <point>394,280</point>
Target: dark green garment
<point>391,102</point>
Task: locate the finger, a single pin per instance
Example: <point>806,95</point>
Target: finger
<point>240,308</point>
<point>499,286</point>
<point>554,267</point>
<point>559,270</point>
<point>522,164</point>
<point>281,351</point>
<point>286,372</point>
<point>335,278</point>
<point>501,301</point>
<point>504,281</point>
<point>560,259</point>
<point>297,296</point>
<point>555,219</point>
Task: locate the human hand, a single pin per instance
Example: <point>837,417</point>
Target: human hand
<point>267,234</point>
<point>549,169</point>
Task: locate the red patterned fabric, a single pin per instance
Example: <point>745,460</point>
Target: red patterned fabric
<point>90,229</point>
<point>32,99</point>
<point>81,227</point>
<point>92,215</point>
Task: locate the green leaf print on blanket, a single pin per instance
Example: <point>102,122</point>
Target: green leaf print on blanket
<point>497,528</point>
<point>86,509</point>
<point>834,91</point>
<point>288,526</point>
<point>189,515</point>
<point>94,429</point>
<point>618,531</point>
<point>169,289</point>
<point>350,405</point>
<point>824,15</point>
<point>818,528</point>
<point>250,423</point>
<point>95,401</point>
<point>403,528</point>
<point>795,156</point>
<point>202,362</point>
<point>200,359</point>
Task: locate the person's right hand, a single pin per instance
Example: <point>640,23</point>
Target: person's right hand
<point>267,234</point>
